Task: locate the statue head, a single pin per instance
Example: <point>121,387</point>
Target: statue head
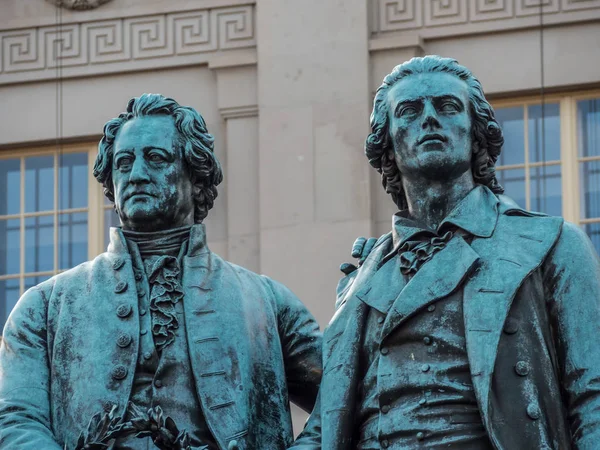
<point>431,119</point>
<point>157,165</point>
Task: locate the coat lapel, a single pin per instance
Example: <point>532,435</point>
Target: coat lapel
<point>214,361</point>
<point>436,279</point>
<point>519,246</point>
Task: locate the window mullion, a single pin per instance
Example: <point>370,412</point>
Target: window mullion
<point>95,211</point>
<point>568,155</point>
<point>526,146</point>
<point>22,228</point>
<point>56,184</point>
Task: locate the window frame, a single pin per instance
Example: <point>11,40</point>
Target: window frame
<point>569,157</point>
<point>94,205</point>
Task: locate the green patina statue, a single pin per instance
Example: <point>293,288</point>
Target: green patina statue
<point>474,323</point>
<point>158,323</point>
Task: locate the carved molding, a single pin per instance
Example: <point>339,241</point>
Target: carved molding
<point>439,18</point>
<point>238,112</point>
<point>118,45</point>
<point>78,5</point>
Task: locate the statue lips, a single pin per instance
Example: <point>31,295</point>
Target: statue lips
<point>432,137</point>
<point>138,194</point>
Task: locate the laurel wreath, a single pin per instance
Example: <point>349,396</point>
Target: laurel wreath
<point>104,429</point>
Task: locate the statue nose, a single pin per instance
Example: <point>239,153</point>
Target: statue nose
<point>139,172</point>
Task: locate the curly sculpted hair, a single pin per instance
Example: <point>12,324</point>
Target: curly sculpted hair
<point>486,133</point>
<point>194,140</point>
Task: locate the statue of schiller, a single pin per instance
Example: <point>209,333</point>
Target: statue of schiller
<point>474,323</point>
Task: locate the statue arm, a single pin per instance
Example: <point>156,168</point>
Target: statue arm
<point>301,345</point>
<point>25,379</point>
<point>572,283</point>
<point>310,438</point>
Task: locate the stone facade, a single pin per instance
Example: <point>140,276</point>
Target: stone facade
<point>286,88</point>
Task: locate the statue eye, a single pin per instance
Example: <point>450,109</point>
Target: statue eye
<point>449,107</point>
<point>155,157</point>
<point>125,162</point>
<point>407,111</point>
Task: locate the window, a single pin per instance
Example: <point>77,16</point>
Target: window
<point>48,216</point>
<point>551,156</point>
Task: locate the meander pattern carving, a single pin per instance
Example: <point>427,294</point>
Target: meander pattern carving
<point>399,15</point>
<point>126,40</point>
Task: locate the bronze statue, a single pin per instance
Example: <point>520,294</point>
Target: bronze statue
<point>473,324</point>
<point>158,323</point>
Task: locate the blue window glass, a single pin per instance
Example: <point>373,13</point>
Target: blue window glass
<point>588,124</point>
<point>72,239</point>
<point>546,190</point>
<point>39,244</point>
<point>39,184</point>
<point>9,294</point>
<point>513,182</point>
<point>511,120</point>
<point>73,180</point>
<point>10,245</point>
<point>544,132</point>
<point>590,189</point>
<point>10,186</point>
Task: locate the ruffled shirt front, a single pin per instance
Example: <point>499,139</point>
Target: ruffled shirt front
<point>161,253</point>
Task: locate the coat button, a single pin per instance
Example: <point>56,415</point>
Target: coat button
<point>138,277</point>
<point>422,401</point>
<point>119,372</point>
<point>522,368</point>
<point>420,435</point>
<point>124,340</point>
<point>533,411</point>
<point>425,368</point>
<point>511,326</point>
<point>431,308</point>
<point>118,263</point>
<point>380,320</point>
<point>233,445</point>
<point>427,340</point>
<point>384,351</point>
<point>158,383</point>
<point>123,311</point>
<point>141,293</point>
<point>385,409</point>
<point>385,443</point>
<point>142,312</point>
<point>144,332</point>
<point>148,356</point>
<point>121,287</point>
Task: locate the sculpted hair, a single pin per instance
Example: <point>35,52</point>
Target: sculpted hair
<point>486,133</point>
<point>194,140</point>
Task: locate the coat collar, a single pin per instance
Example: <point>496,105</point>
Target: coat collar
<point>477,214</point>
<point>197,243</point>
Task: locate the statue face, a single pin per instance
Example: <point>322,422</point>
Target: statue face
<point>152,187</point>
<point>430,126</point>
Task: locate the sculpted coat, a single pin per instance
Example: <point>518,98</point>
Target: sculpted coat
<point>250,341</point>
<point>532,320</point>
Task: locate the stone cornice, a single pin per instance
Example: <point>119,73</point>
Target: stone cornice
<point>237,112</point>
<point>436,19</point>
<point>125,44</point>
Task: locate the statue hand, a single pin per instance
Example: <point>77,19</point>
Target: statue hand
<point>360,250</point>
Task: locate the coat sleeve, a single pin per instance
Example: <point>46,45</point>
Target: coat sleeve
<point>24,377</point>
<point>572,283</point>
<point>301,345</point>
<point>310,438</point>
